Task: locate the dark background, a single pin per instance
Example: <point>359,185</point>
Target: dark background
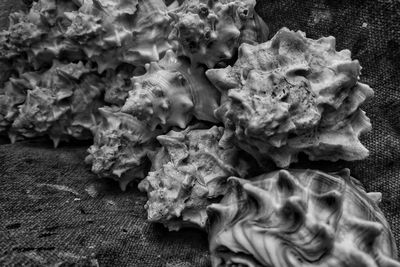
<point>53,210</point>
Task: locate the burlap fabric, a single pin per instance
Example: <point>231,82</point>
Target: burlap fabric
<point>53,210</point>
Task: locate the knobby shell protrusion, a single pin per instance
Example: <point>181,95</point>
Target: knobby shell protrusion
<point>170,93</point>
<point>189,172</point>
<point>121,145</point>
<point>209,32</point>
<point>299,218</point>
<point>293,94</point>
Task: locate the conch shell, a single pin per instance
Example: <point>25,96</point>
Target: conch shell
<point>209,32</point>
<point>61,102</point>
<point>170,93</point>
<point>188,173</point>
<point>121,145</point>
<point>293,94</point>
<point>300,218</point>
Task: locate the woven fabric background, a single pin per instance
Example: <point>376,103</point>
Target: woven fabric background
<point>53,210</point>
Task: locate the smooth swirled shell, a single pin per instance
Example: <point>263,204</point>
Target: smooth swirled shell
<point>170,93</point>
<point>61,102</point>
<point>300,218</point>
<point>121,145</point>
<point>188,173</point>
<point>209,32</point>
<point>294,94</point>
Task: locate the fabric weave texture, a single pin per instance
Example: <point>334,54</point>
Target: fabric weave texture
<point>54,211</point>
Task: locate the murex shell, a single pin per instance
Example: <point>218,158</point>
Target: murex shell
<point>188,173</point>
<point>210,31</point>
<point>60,102</point>
<point>293,94</point>
<point>170,93</point>
<point>121,145</point>
<point>300,218</point>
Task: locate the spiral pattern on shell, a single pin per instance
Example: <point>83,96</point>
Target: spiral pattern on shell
<point>300,218</point>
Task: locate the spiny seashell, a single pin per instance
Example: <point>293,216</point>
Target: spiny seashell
<point>113,31</point>
<point>61,102</point>
<point>188,173</point>
<point>121,144</point>
<point>170,93</point>
<point>300,218</point>
<point>293,94</point>
<point>209,32</point>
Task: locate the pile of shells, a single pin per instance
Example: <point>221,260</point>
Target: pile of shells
<point>194,102</point>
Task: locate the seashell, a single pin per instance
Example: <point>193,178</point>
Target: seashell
<point>61,102</point>
<point>209,32</point>
<point>188,173</point>
<point>300,218</point>
<point>121,144</point>
<point>112,31</point>
<point>170,93</point>
<point>294,94</point>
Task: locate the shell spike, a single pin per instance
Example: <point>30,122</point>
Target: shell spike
<point>56,141</point>
<point>375,197</point>
<point>153,67</point>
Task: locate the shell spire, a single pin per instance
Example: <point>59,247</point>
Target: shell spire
<point>299,218</point>
<point>293,94</point>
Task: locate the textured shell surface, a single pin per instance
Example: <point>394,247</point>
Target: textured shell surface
<point>188,173</point>
<point>300,218</point>
<point>293,94</point>
<point>108,32</point>
<point>209,32</point>
<point>112,32</point>
<point>38,96</point>
<point>121,145</point>
<point>61,102</point>
<point>170,93</point>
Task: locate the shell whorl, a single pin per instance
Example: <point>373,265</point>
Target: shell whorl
<point>299,218</point>
<point>293,94</point>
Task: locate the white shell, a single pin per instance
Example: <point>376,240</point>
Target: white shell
<point>188,173</point>
<point>300,218</point>
<point>293,94</point>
